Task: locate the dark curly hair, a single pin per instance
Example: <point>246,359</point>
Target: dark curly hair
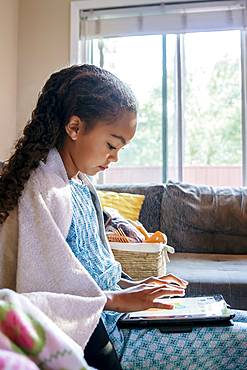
<point>89,92</point>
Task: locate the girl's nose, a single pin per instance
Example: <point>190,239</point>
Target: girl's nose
<point>114,156</point>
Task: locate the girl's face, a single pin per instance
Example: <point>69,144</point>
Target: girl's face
<point>94,151</point>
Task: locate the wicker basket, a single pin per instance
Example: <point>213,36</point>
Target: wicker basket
<point>142,260</point>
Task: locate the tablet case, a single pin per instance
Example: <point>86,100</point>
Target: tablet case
<point>179,324</point>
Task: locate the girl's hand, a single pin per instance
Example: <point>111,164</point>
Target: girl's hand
<point>141,297</point>
<point>170,279</point>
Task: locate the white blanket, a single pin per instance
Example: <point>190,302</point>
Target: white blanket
<point>34,255</point>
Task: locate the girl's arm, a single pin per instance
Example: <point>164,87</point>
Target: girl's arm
<point>141,297</point>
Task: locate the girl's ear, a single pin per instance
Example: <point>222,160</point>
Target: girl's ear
<point>74,127</point>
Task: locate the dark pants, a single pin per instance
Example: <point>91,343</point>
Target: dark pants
<point>99,351</point>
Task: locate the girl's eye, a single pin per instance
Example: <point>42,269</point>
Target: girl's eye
<point>110,146</point>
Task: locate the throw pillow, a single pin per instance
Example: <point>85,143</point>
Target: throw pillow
<point>128,205</point>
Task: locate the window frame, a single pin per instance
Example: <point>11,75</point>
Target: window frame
<point>79,53</point>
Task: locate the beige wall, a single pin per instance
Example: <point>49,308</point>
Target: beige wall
<point>8,74</point>
<point>43,47</point>
<point>34,42</point>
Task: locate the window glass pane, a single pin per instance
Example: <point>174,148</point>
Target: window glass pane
<point>138,62</point>
<point>211,107</point>
<point>212,116</point>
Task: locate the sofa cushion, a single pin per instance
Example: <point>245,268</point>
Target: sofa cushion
<point>213,274</point>
<point>204,219</point>
<point>150,213</point>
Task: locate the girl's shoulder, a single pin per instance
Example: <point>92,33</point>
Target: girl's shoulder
<point>49,174</point>
<point>48,191</point>
<point>49,180</point>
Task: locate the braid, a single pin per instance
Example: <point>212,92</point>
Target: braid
<point>86,91</point>
<point>38,138</point>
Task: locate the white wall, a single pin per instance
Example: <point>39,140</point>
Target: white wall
<point>8,74</point>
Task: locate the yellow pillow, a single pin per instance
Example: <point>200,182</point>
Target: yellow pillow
<point>128,205</point>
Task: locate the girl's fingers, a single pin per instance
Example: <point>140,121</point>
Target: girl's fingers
<point>164,291</point>
<point>167,292</point>
<point>161,292</point>
<point>166,287</point>
<point>175,279</point>
<point>170,279</point>
<point>163,306</point>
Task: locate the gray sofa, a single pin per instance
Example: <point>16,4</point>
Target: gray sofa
<point>208,229</point>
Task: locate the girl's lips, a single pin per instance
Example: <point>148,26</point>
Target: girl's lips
<point>103,168</point>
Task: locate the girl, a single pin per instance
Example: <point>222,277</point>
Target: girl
<point>52,226</point>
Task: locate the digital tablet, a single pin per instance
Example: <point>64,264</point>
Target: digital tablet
<point>186,313</point>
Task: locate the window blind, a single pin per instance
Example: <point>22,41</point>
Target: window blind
<point>160,18</point>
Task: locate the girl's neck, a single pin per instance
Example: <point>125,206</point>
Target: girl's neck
<point>77,179</point>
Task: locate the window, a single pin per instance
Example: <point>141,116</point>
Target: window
<point>191,92</point>
<point>137,61</point>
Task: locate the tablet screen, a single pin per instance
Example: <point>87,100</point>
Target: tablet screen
<point>185,308</point>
